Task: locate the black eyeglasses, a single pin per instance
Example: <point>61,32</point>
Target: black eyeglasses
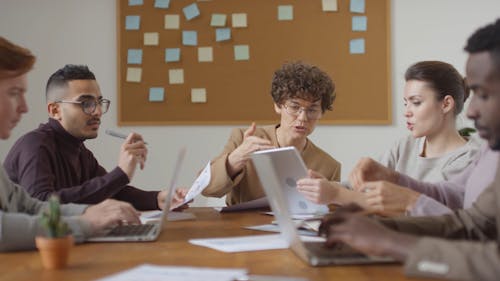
<point>90,105</point>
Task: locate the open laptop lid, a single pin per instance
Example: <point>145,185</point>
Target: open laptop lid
<point>288,167</point>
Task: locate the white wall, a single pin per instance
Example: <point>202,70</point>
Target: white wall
<point>84,32</point>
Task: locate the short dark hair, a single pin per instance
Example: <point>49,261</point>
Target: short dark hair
<point>301,80</point>
<point>443,78</point>
<point>62,76</point>
<point>14,60</point>
<point>486,39</point>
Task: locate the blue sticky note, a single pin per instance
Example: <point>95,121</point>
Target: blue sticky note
<point>134,56</point>
<point>162,4</point>
<point>132,22</point>
<point>357,6</point>
<point>189,38</point>
<point>135,2</point>
<point>357,46</point>
<point>359,23</point>
<point>222,34</point>
<point>172,54</point>
<point>156,94</point>
<point>191,11</point>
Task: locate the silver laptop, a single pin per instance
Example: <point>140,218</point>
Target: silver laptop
<point>313,253</point>
<point>289,167</point>
<point>148,231</point>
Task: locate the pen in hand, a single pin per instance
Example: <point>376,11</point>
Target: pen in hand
<point>117,134</point>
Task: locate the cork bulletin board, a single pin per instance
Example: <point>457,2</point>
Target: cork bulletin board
<point>188,62</point>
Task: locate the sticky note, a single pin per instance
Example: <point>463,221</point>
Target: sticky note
<point>135,2</point>
<point>285,12</point>
<point>218,20</point>
<point>241,52</point>
<point>134,74</point>
<point>198,95</point>
<point>132,22</point>
<point>359,23</point>
<point>189,38</point>
<point>239,20</point>
<point>205,54</point>
<point>134,56</point>
<point>156,94</point>
<point>329,5</point>
<point>176,76</point>
<point>357,46</point>
<point>222,34</point>
<point>162,4</point>
<point>172,54</point>
<point>151,38</point>
<point>191,11</point>
<point>172,22</point>
<point>357,6</point>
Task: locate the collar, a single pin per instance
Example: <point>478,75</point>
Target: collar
<point>64,137</point>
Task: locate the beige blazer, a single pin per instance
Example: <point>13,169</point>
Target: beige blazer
<point>246,186</point>
<point>472,250</point>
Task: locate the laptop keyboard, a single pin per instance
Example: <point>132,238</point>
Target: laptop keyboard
<point>131,230</point>
<point>339,250</point>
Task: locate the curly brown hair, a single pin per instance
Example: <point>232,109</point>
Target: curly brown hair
<point>304,81</point>
<point>14,60</point>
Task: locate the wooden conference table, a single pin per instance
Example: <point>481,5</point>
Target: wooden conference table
<point>96,260</point>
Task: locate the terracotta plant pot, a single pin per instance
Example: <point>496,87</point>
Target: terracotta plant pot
<point>54,251</point>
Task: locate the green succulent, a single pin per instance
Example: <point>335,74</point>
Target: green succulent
<point>466,132</point>
<point>51,220</point>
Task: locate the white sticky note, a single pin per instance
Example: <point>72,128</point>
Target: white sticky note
<point>239,20</point>
<point>134,74</point>
<point>218,20</point>
<point>189,38</point>
<point>241,52</point>
<point>198,95</point>
<point>132,22</point>
<point>156,94</point>
<point>285,12</point>
<point>222,34</point>
<point>151,38</point>
<point>357,46</point>
<point>176,76</point>
<point>191,11</point>
<point>359,23</point>
<point>172,22</point>
<point>357,6</point>
<point>205,54</point>
<point>329,5</point>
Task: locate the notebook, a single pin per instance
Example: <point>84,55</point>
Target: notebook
<point>313,253</point>
<point>148,231</point>
<point>289,167</point>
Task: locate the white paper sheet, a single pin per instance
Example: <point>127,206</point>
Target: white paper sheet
<point>243,243</point>
<point>149,216</point>
<point>176,273</point>
<point>199,184</point>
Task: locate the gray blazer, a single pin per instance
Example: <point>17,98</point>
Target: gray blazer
<point>456,258</point>
<point>19,222</point>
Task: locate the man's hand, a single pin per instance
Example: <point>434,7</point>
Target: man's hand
<point>177,199</point>
<point>239,157</point>
<point>109,213</point>
<point>133,151</point>
<point>348,225</point>
<point>368,169</point>
<point>389,199</point>
<point>317,189</point>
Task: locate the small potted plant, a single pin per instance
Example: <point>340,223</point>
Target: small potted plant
<point>55,245</point>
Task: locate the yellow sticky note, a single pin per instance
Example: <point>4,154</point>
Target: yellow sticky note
<point>198,95</point>
<point>176,76</point>
<point>151,38</point>
<point>239,20</point>
<point>134,74</point>
<point>172,22</point>
<point>205,54</point>
<point>329,5</point>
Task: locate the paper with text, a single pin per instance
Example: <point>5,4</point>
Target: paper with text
<point>199,184</point>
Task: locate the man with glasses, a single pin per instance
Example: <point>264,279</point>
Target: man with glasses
<point>54,160</point>
<point>301,94</point>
